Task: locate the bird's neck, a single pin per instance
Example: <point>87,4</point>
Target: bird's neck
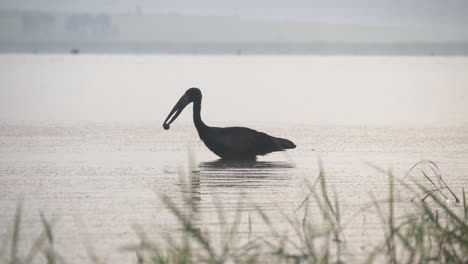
<point>197,116</point>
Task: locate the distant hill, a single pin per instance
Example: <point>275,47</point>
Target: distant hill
<point>33,31</point>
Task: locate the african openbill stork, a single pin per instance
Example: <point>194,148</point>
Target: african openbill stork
<point>227,142</point>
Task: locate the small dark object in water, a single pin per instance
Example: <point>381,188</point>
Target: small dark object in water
<point>74,51</point>
<point>227,142</point>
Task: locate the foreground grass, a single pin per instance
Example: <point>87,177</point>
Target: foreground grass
<point>433,232</point>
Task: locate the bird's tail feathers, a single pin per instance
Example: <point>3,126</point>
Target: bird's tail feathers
<point>284,143</point>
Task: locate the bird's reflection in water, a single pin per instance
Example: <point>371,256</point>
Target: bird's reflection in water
<point>244,173</point>
<point>222,164</point>
<point>231,178</point>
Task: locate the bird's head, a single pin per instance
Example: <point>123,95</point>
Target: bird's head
<point>191,95</point>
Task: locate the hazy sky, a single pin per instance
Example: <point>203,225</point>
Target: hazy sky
<point>237,90</point>
<point>246,89</point>
<point>451,14</point>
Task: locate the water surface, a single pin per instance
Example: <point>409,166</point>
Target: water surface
<point>100,163</point>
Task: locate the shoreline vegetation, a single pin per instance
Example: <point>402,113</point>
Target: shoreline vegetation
<point>434,231</point>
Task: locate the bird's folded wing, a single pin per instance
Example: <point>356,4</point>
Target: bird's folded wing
<point>237,141</point>
<point>246,141</point>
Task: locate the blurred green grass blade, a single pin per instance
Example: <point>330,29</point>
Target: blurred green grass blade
<point>16,234</point>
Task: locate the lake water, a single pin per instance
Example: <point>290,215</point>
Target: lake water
<point>97,174</point>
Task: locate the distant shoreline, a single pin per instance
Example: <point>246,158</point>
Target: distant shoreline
<point>158,33</point>
<point>387,49</point>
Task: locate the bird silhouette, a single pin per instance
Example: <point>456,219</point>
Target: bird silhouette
<point>239,143</point>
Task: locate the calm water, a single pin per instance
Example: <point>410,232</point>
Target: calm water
<point>105,178</point>
<point>96,180</point>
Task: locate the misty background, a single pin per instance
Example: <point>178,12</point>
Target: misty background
<point>238,90</point>
<point>236,27</point>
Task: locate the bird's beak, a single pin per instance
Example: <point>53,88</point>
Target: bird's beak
<point>175,112</point>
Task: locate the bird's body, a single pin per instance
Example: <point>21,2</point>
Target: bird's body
<point>228,142</point>
<point>241,142</point>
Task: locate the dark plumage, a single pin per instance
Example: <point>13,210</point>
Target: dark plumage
<point>227,142</point>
